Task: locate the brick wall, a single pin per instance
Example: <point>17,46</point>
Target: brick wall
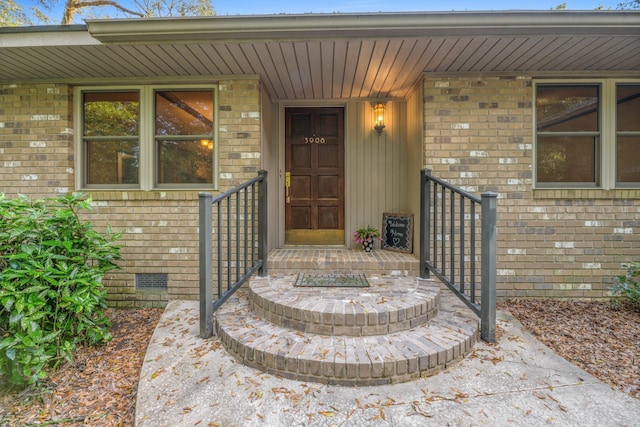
<point>239,131</point>
<point>478,135</point>
<point>551,243</point>
<point>36,140</point>
<point>159,227</point>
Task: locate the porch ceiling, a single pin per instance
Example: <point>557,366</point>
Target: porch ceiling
<point>327,56</point>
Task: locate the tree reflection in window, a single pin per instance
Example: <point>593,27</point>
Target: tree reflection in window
<point>111,137</point>
<point>628,134</point>
<point>568,134</point>
<point>184,136</point>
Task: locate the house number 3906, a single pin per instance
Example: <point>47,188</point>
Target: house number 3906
<point>314,140</point>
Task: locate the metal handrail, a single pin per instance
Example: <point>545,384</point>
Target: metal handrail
<point>241,239</point>
<point>448,245</point>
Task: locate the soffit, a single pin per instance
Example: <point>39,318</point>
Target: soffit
<point>355,62</point>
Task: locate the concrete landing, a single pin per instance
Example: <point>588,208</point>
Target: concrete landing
<point>187,381</point>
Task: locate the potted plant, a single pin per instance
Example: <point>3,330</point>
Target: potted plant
<point>365,236</point>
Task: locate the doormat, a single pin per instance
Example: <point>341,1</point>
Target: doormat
<point>332,280</point>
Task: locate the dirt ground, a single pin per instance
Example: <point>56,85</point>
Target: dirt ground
<point>99,387</point>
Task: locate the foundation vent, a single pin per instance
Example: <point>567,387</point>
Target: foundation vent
<point>151,281</point>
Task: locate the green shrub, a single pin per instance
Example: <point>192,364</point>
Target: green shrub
<point>51,292</point>
<point>628,285</point>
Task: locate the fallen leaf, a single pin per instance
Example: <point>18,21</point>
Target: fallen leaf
<point>157,373</point>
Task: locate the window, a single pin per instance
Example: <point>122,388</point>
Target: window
<point>587,134</point>
<point>111,137</point>
<point>146,137</point>
<point>628,134</point>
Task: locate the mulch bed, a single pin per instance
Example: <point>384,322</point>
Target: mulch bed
<point>602,339</point>
<point>99,387</point>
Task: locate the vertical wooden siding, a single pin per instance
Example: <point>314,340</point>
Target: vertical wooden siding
<point>375,166</point>
<point>269,162</point>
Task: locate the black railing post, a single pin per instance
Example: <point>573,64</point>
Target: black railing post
<point>262,223</point>
<point>206,264</point>
<point>243,214</point>
<point>434,219</point>
<point>488,266</point>
<point>425,221</point>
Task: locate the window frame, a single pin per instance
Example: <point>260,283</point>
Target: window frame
<point>148,179</point>
<point>616,133</point>
<point>605,168</point>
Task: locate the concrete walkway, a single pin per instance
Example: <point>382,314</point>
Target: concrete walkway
<point>187,381</point>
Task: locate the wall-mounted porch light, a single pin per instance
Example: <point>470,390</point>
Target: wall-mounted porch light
<point>378,116</point>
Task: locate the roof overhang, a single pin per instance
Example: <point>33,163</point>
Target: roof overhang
<point>46,35</point>
<point>405,24</point>
<point>327,56</point>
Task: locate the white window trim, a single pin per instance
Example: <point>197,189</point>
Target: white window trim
<point>147,138</point>
<point>607,166</point>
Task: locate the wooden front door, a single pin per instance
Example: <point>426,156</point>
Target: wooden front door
<point>314,178</point>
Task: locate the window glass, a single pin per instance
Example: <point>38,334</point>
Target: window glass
<point>628,156</point>
<point>185,162</point>
<point>184,112</point>
<point>567,108</point>
<point>628,134</point>
<point>567,142</point>
<point>628,108</point>
<point>566,159</point>
<point>111,113</point>
<point>184,136</point>
<point>112,162</point>
<point>110,137</point>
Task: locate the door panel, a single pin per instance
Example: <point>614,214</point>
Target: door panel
<point>301,217</point>
<point>301,156</point>
<point>328,157</point>
<point>328,124</point>
<point>314,154</point>
<point>300,188</point>
<point>300,125</point>
<point>327,217</point>
<point>328,187</point>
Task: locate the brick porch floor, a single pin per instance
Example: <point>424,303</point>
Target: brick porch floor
<point>342,261</point>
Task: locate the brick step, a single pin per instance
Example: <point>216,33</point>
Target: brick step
<point>342,261</point>
<point>347,360</point>
<point>389,304</point>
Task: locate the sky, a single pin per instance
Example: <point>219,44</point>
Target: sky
<point>248,7</point>
<point>268,7</point>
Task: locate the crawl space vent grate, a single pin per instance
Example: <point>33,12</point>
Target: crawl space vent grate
<point>151,281</point>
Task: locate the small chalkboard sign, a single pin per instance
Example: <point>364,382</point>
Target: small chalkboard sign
<point>397,232</point>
